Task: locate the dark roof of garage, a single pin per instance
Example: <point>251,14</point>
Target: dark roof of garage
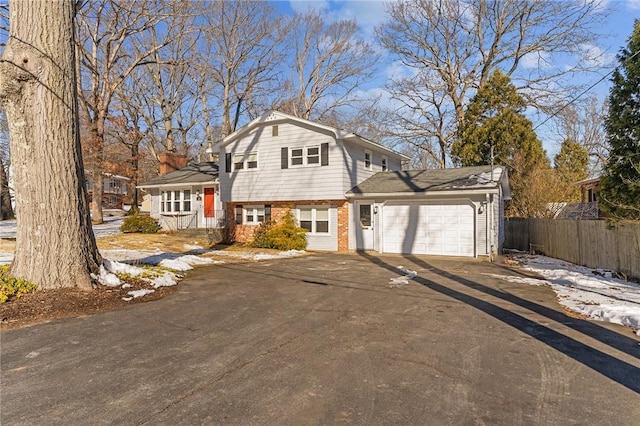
<point>419,181</point>
<point>192,173</point>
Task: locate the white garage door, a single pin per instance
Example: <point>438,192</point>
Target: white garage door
<point>442,229</point>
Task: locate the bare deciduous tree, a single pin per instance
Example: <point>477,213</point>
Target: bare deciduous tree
<point>55,245</point>
<point>447,49</point>
<point>242,41</point>
<point>584,123</point>
<point>107,33</point>
<point>331,62</point>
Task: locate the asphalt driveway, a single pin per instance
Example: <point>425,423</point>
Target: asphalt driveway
<point>325,339</point>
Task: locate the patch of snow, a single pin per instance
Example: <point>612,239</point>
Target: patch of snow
<point>166,280</point>
<point>139,293</point>
<point>111,226</point>
<point>107,278</point>
<point>256,256</point>
<point>404,279</point>
<point>595,294</point>
<point>123,268</point>
<point>184,263</point>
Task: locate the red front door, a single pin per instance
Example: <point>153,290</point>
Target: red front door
<point>209,205</point>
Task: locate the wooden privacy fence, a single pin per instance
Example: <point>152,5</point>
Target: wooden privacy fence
<point>584,242</point>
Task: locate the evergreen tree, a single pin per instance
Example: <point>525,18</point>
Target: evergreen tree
<point>494,118</point>
<point>571,165</point>
<point>620,185</point>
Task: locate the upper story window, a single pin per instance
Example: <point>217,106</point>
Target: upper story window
<point>252,160</point>
<point>238,162</point>
<point>308,155</point>
<point>244,161</point>
<point>297,156</point>
<point>367,159</point>
<point>384,163</point>
<point>274,130</point>
<point>314,155</point>
<point>175,201</point>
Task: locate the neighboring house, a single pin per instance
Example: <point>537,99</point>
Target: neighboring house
<point>587,208</point>
<point>279,163</point>
<point>350,194</point>
<point>114,190</point>
<point>456,212</point>
<point>187,197</point>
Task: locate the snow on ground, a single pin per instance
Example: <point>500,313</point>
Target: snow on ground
<point>594,293</point>
<point>110,226</point>
<point>255,256</point>
<point>404,279</point>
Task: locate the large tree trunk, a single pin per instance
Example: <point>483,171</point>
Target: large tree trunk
<point>55,245</point>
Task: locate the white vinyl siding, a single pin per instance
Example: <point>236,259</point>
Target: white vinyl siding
<point>305,180</point>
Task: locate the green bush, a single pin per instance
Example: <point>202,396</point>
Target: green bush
<point>13,287</point>
<point>141,223</point>
<point>283,235</point>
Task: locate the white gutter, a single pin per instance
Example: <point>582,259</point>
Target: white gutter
<point>175,185</point>
<point>421,194</point>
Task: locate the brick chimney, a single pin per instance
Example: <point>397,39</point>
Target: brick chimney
<point>170,161</point>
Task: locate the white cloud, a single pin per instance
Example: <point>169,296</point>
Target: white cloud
<point>396,70</point>
<point>536,60</point>
<point>368,13</point>
<point>633,4</point>
<point>302,6</point>
<point>595,56</point>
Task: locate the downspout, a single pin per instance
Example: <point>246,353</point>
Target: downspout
<point>491,225</point>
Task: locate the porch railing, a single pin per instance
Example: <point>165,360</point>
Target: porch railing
<point>192,220</point>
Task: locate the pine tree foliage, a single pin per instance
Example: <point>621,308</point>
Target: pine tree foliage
<point>494,118</point>
<point>571,166</point>
<point>620,185</point>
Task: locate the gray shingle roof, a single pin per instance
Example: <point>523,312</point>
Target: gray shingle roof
<point>421,181</point>
<point>192,173</point>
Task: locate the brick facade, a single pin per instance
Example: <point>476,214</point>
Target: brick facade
<point>244,233</point>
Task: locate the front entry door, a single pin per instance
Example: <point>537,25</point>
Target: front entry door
<point>364,229</point>
<point>209,202</point>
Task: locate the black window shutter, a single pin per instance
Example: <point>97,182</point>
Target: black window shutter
<point>227,162</point>
<point>324,154</point>
<point>284,157</point>
<point>267,213</point>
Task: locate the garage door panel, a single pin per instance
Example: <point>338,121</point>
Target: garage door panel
<point>446,229</point>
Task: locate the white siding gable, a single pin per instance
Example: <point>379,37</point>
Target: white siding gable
<point>297,160</point>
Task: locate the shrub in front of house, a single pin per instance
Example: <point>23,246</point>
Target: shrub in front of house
<point>141,223</point>
<point>13,287</point>
<point>283,235</point>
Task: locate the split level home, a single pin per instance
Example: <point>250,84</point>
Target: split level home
<point>349,193</point>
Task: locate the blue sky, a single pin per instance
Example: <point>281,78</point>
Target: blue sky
<point>370,13</point>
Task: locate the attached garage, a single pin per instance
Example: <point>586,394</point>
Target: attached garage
<point>444,212</point>
<point>437,229</point>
